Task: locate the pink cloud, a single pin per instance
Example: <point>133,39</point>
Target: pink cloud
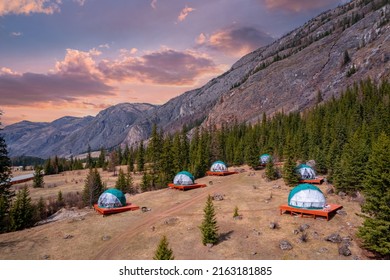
<point>184,13</point>
<point>28,7</point>
<point>236,41</point>
<point>298,5</point>
<point>166,67</point>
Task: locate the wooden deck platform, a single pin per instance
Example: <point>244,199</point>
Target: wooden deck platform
<point>326,212</point>
<point>108,211</point>
<point>317,180</point>
<point>186,187</point>
<point>220,173</point>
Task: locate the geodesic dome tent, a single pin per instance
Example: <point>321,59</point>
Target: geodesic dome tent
<point>306,196</point>
<point>264,158</point>
<point>184,178</point>
<point>112,198</point>
<point>218,166</point>
<point>305,171</point>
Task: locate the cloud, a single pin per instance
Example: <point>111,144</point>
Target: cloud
<point>165,67</point>
<point>235,41</point>
<point>81,76</point>
<point>184,13</point>
<point>80,2</point>
<point>31,88</point>
<point>16,34</point>
<point>73,78</point>
<point>201,39</point>
<point>297,6</point>
<point>28,7</point>
<point>153,4</point>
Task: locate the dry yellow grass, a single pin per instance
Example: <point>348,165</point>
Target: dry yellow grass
<point>177,214</point>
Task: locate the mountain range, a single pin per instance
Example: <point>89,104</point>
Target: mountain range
<point>310,64</point>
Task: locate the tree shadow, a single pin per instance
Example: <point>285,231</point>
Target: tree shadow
<point>225,236</point>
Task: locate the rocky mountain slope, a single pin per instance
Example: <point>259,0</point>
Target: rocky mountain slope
<point>328,53</point>
<point>70,135</point>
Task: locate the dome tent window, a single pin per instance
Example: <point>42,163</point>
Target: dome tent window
<point>184,178</point>
<point>218,166</point>
<point>264,158</point>
<point>305,171</point>
<point>112,198</point>
<point>306,196</point>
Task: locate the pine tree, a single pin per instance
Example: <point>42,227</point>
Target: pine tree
<point>130,161</point>
<point>93,188</point>
<point>6,193</point>
<point>163,251</point>
<point>209,227</point>
<point>376,189</point>
<point>141,157</point>
<point>270,171</point>
<point>290,177</point>
<point>350,172</point>
<point>41,209</point>
<point>145,182</point>
<point>22,211</point>
<point>48,167</point>
<point>38,177</point>
<point>60,200</point>
<point>113,162</point>
<point>123,183</point>
<point>89,162</point>
<point>101,163</point>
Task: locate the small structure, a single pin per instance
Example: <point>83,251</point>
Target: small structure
<point>308,175</point>
<point>184,180</point>
<point>21,179</point>
<point>264,158</point>
<point>219,168</point>
<point>113,201</point>
<point>308,200</point>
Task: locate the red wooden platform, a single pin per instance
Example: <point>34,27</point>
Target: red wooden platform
<point>107,211</point>
<point>326,212</point>
<point>220,173</point>
<point>317,180</point>
<point>186,187</point>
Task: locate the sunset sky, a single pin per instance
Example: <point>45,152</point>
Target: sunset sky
<point>77,57</point>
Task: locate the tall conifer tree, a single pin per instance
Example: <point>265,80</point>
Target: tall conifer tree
<point>209,227</point>
<point>376,189</point>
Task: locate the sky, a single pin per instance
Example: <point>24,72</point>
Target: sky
<point>77,57</point>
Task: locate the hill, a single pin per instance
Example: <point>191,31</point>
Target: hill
<point>85,234</point>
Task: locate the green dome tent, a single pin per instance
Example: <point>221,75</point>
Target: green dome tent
<point>218,166</point>
<point>184,178</point>
<point>112,198</point>
<point>306,196</point>
<point>264,158</point>
<point>305,172</point>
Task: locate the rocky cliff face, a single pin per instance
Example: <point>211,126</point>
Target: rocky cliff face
<point>326,55</point>
<point>70,135</point>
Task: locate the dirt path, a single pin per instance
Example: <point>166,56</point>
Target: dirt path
<point>108,252</point>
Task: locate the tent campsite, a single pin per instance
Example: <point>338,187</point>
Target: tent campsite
<point>113,201</point>
<point>184,180</point>
<point>219,168</point>
<point>308,200</point>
